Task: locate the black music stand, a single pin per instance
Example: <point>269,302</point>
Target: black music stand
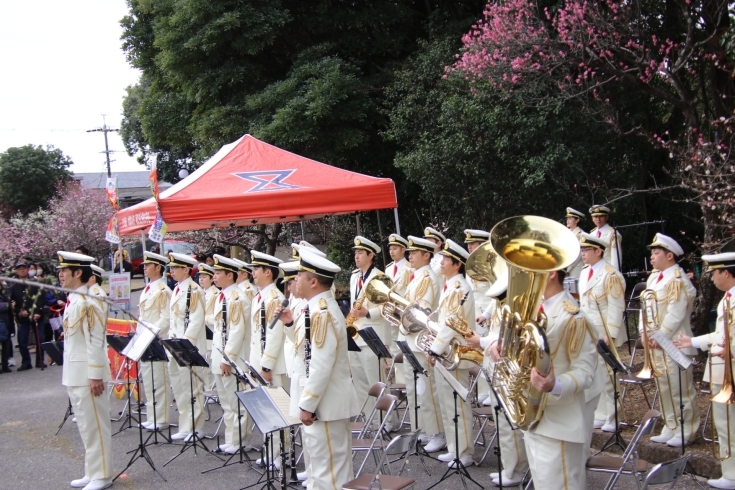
<point>417,368</point>
<point>497,409</point>
<point>269,418</point>
<point>352,345</point>
<point>459,468</point>
<point>187,355</point>
<point>241,377</point>
<point>617,367</point>
<point>118,344</point>
<point>55,350</point>
<point>155,353</point>
<point>135,346</point>
<point>373,340</point>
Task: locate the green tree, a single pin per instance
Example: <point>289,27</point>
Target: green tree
<point>30,176</point>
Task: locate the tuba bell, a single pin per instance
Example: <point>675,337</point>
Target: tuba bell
<point>533,248</point>
<point>379,291</point>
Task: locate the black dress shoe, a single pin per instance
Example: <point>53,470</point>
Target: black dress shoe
<point>24,368</point>
<point>7,370</point>
<point>41,366</point>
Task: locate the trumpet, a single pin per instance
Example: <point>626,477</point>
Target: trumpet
<point>727,392</point>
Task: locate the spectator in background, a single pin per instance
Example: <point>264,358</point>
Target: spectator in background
<point>209,259</point>
<point>81,249</point>
<point>6,329</point>
<point>23,300</point>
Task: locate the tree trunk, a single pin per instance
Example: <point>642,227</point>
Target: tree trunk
<point>273,239</point>
<point>707,291</point>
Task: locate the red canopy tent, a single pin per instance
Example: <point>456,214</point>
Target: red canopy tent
<point>251,182</point>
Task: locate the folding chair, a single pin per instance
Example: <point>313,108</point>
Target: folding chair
<point>385,404</point>
<point>630,380</point>
<point>361,421</point>
<point>212,396</point>
<point>402,444</point>
<point>399,389</point>
<point>482,414</point>
<point>667,472</point>
<point>630,463</point>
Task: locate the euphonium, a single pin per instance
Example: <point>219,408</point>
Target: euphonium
<point>416,318</point>
<point>727,392</point>
<point>533,247</point>
<point>379,290</point>
<point>649,314</point>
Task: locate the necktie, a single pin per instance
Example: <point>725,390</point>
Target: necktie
<point>411,278</point>
<point>176,291</point>
<point>660,276</point>
<point>68,301</point>
<point>395,269</point>
<point>257,300</point>
<point>599,234</point>
<point>359,284</point>
<point>147,288</point>
<point>592,272</point>
<point>445,287</point>
<point>727,296</point>
<point>541,308</point>
<point>221,296</point>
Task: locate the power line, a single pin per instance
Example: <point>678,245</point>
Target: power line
<point>105,129</point>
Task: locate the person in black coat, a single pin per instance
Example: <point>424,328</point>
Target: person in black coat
<point>7,328</point>
<point>24,301</point>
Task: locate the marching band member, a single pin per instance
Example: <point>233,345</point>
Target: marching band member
<point>364,364</point>
<point>154,309</point>
<point>327,401</point>
<point>231,312</point>
<point>423,286</point>
<point>573,219</point>
<point>206,281</point>
<point>311,248</point>
<point>722,268</point>
<point>473,239</point>
<point>675,297</point>
<point>512,447</point>
<point>94,285</point>
<point>86,370</point>
<point>243,279</point>
<point>295,336</point>
<point>436,262</point>
<point>456,302</point>
<point>187,322</point>
<point>602,300</point>
<point>557,447</point>
<point>399,271</point>
<point>614,251</point>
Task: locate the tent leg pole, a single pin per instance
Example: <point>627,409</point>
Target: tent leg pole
<point>398,225</point>
<point>142,240</point>
<point>357,220</point>
<point>380,235</point>
<point>303,233</point>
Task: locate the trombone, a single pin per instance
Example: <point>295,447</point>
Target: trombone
<point>726,395</point>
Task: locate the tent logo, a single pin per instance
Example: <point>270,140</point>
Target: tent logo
<point>268,180</point>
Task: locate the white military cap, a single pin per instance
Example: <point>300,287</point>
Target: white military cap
<point>71,259</point>
<point>430,232</point>
<point>259,258</point>
<point>182,260</point>
<point>225,264</point>
<point>573,213</point>
<point>396,239</point>
<point>243,266</point>
<point>599,210</point>
<point>151,258</point>
<point>362,243</point>
<point>476,236</point>
<point>453,249</point>
<point>205,269</point>
<point>295,247</point>
<point>320,266</point>
<point>719,261</point>
<point>587,240</point>
<point>420,244</point>
<point>97,271</point>
<point>290,269</point>
<point>667,243</point>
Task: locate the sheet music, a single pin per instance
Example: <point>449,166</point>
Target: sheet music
<point>283,402</point>
<point>144,334</point>
<point>668,346</point>
<point>456,385</point>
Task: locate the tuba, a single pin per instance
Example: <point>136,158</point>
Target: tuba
<point>727,393</point>
<point>379,290</point>
<point>416,317</point>
<point>533,247</point>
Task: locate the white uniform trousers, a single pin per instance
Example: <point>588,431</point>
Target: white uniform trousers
<point>394,349</point>
<point>280,381</point>
<point>605,409</point>
<point>365,373</point>
<point>182,389</point>
<point>483,388</point>
<point>226,388</point>
<point>512,448</point>
<point>430,412</point>
<point>589,420</point>
<point>93,422</point>
<point>160,381</point>
<point>719,414</point>
<point>668,386</point>
<point>555,464</point>
<point>207,375</point>
<point>464,410</point>
<point>330,450</point>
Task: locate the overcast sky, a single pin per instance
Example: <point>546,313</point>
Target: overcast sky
<point>63,68</point>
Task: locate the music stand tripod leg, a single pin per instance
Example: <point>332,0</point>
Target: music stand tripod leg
<point>616,439</point>
<point>69,413</point>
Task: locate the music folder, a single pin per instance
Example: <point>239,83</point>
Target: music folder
<point>269,408</point>
<point>372,339</point>
<point>254,374</point>
<point>673,351</point>
<point>55,350</point>
<point>136,347</point>
<point>184,353</point>
<point>606,353</point>
<point>409,356</point>
<point>118,342</point>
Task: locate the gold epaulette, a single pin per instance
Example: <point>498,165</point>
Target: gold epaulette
<point>613,284</point>
<point>320,321</point>
<point>426,273</point>
<point>571,308</point>
<point>161,286</point>
<point>422,287</point>
<point>274,294</point>
<point>673,288</point>
<point>322,304</point>
<point>457,284</point>
<point>677,273</point>
<point>610,269</point>
<point>234,295</point>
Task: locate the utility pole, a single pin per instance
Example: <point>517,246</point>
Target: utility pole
<point>105,129</point>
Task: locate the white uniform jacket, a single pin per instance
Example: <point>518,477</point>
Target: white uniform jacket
<point>375,317</point>
<point>272,357</point>
<point>436,266</point>
<point>296,305</point>
<point>575,269</point>
<point>675,297</point>
<point>400,273</point>
<point>154,306</point>
<point>195,331</point>
<point>232,339</point>
<point>85,341</point>
<point>564,417</point>
<point>210,296</point>
<point>602,298</point>
<point>479,288</point>
<point>705,342</point>
<point>249,290</point>
<point>328,390</point>
<point>423,286</point>
<point>456,301</point>
<point>614,252</point>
